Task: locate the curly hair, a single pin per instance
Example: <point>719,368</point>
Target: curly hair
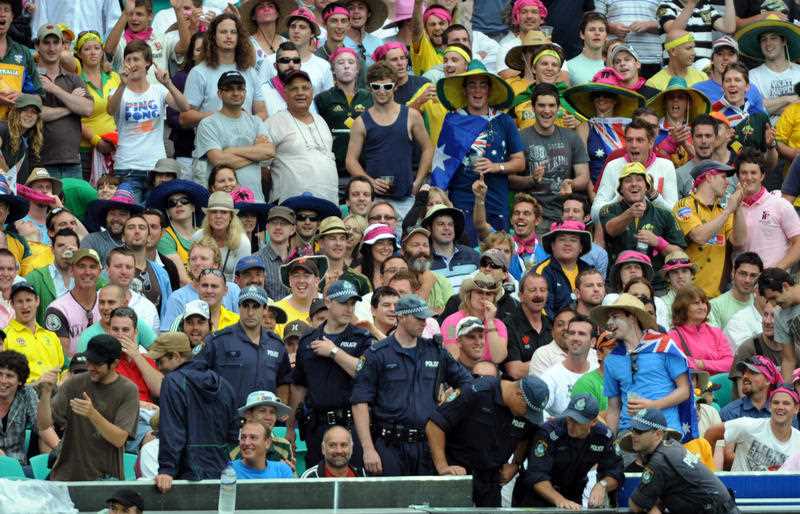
<point>17,364</point>
<point>245,55</point>
<point>235,231</point>
<point>16,131</point>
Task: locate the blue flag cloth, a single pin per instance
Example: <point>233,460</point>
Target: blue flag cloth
<point>459,131</point>
<point>657,342</point>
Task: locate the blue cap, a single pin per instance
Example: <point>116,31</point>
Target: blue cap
<point>536,395</point>
<point>250,262</point>
<point>412,305</point>
<point>649,419</point>
<point>342,291</point>
<point>583,408</point>
<point>254,293</point>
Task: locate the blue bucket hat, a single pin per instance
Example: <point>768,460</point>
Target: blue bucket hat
<point>309,202</point>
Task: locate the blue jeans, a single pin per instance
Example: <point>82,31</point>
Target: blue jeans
<point>65,170</point>
<point>137,179</point>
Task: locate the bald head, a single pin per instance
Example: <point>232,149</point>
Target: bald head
<point>113,291</point>
<point>680,47</point>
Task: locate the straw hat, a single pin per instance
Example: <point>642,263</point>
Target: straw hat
<point>699,104</point>
<point>38,174</point>
<point>749,37</point>
<point>628,303</point>
<point>481,282</point>
<point>451,90</point>
<point>581,98</point>
<point>677,260</point>
<point>247,7</point>
<point>220,201</point>
<point>531,43</point>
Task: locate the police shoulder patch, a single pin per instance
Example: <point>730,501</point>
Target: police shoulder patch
<point>540,449</point>
<point>647,476</point>
<point>360,363</point>
<point>452,396</point>
<point>52,322</point>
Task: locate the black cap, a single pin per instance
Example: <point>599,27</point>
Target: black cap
<point>21,286</point>
<point>78,363</point>
<point>103,349</point>
<point>317,305</point>
<point>127,498</point>
<point>295,74</point>
<point>230,77</point>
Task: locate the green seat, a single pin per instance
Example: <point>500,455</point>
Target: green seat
<point>129,466</point>
<point>10,468</point>
<point>724,395</point>
<point>300,448</point>
<point>39,466</point>
<point>27,440</point>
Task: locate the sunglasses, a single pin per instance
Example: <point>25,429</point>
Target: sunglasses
<point>288,60</point>
<point>679,261</point>
<point>377,87</point>
<point>384,217</point>
<point>178,202</point>
<point>307,217</point>
<point>212,271</point>
<point>490,265</point>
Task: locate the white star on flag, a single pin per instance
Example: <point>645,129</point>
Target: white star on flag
<point>440,157</point>
<point>599,152</point>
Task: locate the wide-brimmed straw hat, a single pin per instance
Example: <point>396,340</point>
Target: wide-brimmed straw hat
<point>749,37</point>
<point>453,96</point>
<point>531,43</point>
<point>677,260</point>
<point>628,303</point>
<point>699,103</point>
<point>248,6</point>
<point>481,282</point>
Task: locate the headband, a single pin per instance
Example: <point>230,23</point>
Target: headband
<point>686,38</point>
<point>89,36</point>
<point>342,50</point>
<point>439,12</point>
<point>702,178</point>
<point>519,4</point>
<point>545,53</point>
<point>380,53</point>
<point>788,391</point>
<point>336,10</point>
<point>459,51</point>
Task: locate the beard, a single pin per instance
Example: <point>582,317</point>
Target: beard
<point>420,264</point>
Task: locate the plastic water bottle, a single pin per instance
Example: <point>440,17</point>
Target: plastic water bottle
<point>227,491</point>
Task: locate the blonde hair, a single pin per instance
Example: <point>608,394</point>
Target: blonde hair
<point>496,239</point>
<point>359,226</point>
<point>208,242</point>
<point>16,132</point>
<point>235,232</point>
<point>444,199</point>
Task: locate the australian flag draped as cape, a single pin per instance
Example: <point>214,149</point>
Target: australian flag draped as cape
<point>459,131</point>
<point>656,342</point>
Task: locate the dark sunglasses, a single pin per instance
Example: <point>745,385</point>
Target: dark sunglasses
<point>307,217</point>
<point>377,87</point>
<point>490,265</point>
<point>212,271</point>
<point>177,202</point>
<point>287,60</point>
<point>679,261</point>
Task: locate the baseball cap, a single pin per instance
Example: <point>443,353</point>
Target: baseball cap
<point>707,166</point>
<point>342,291</point>
<point>317,305</point>
<point>412,305</point>
<point>417,230</point>
<point>78,364</point>
<point>84,253</point>
<point>583,408</point>
<point>103,349</point>
<point>250,262</point>
<point>468,325</point>
<point>169,342</point>
<point>127,498</point>
<point>49,29</point>
<point>230,77</point>
<point>281,212</point>
<point>725,41</point>
<point>254,293</point>
<point>22,286</point>
<point>295,329</point>
<point>27,100</point>
<point>259,398</point>
<point>649,419</point>
<point>297,74</point>
<point>536,395</point>
<point>494,256</point>
<point>622,47</point>
<point>761,364</point>
<point>197,308</point>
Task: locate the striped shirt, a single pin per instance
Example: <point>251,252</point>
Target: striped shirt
<point>646,44</point>
<point>700,24</point>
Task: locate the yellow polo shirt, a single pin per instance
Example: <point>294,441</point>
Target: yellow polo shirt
<point>424,56</point>
<point>42,348</point>
<point>226,318</point>
<point>292,314</point>
<point>709,257</point>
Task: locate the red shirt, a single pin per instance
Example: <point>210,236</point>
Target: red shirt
<point>350,473</point>
<point>128,369</point>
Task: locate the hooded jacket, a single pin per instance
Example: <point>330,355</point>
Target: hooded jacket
<point>198,423</point>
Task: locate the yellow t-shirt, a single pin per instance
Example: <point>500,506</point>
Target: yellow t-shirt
<point>709,257</point>
<point>226,318</point>
<point>291,315</point>
<point>424,56</point>
<point>41,256</point>
<point>100,122</point>
<point>661,79</point>
<point>434,113</point>
<point>787,130</point>
<point>42,348</point>
<point>571,274</point>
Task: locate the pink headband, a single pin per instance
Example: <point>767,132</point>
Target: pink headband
<point>380,53</point>
<point>788,391</point>
<point>439,12</point>
<point>335,10</point>
<point>795,373</point>
<point>519,4</point>
<point>342,50</point>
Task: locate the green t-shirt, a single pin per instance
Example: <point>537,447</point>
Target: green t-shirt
<point>591,383</point>
<point>440,293</point>
<point>144,335</point>
<point>77,195</point>
<point>167,246</point>
<point>724,306</point>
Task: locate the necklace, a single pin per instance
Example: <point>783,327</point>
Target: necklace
<point>316,142</point>
<point>268,41</point>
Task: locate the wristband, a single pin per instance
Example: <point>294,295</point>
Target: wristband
<point>95,140</point>
<point>661,245</point>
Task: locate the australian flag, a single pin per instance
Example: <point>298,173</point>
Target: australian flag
<point>459,131</point>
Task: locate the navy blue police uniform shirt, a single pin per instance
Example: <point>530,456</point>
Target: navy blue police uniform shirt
<point>399,382</point>
<point>247,366</point>
<point>328,386</point>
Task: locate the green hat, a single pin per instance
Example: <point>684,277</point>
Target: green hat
<point>580,97</point>
<point>749,37</point>
<point>700,104</point>
<point>451,90</point>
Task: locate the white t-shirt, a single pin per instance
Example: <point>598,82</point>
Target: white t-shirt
<point>318,69</point>
<point>145,310</point>
<point>773,85</point>
<point>757,449</point>
<point>559,382</point>
<point>551,354</point>
<point>201,87</point>
<point>162,47</point>
<point>140,124</point>
<point>304,158</point>
<point>662,171</point>
<point>508,42</point>
<point>744,325</point>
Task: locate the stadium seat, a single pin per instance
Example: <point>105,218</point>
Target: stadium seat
<point>39,466</point>
<point>300,448</point>
<point>10,468</point>
<point>129,466</point>
<point>724,395</point>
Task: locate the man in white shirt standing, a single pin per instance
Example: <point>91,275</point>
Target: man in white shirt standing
<point>556,351</point>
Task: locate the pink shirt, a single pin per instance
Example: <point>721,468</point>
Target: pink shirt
<point>706,343</point>
<point>771,222</point>
<point>449,332</point>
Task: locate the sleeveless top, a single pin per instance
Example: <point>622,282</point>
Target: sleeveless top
<point>387,152</point>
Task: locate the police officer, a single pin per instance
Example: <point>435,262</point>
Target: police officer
<point>248,355</point>
<point>673,478</point>
<point>478,427</point>
<point>562,452</point>
<point>324,369</point>
<point>400,379</point>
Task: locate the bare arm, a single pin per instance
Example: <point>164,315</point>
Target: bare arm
<point>152,377</point>
<point>424,141</point>
<point>116,32</point>
<point>482,226</point>
<point>680,22</point>
<point>175,98</point>
<point>114,102</point>
<point>192,117</point>
<point>581,180</point>
<point>417,25</point>
<point>354,147</point>
<point>218,157</point>
<point>788,362</point>
<point>792,254</point>
<point>739,234</point>
<point>727,23</point>
<point>436,441</point>
<point>619,224</point>
<point>517,369</point>
<point>184,33</point>
<point>54,113</point>
<point>714,434</point>
<point>612,413</point>
<point>703,233</point>
<point>261,150</point>
<point>779,103</point>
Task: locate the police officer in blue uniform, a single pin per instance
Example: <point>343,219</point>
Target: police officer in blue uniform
<point>474,431</point>
<point>247,355</point>
<point>673,478</point>
<point>400,379</point>
<point>325,365</point>
<point>562,452</point>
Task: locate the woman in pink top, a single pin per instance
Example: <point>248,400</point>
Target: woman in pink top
<point>706,347</point>
<point>479,295</point>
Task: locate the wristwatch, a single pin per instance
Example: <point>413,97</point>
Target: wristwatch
<point>333,353</point>
<point>604,483</point>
